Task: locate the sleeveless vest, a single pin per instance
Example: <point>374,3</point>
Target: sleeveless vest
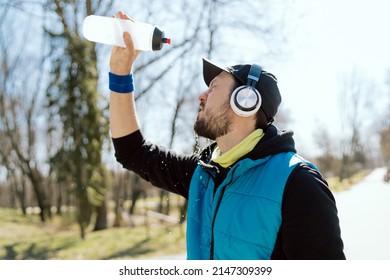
<point>241,219</point>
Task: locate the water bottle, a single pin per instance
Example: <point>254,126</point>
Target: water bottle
<point>108,30</point>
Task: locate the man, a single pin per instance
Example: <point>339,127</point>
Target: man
<point>250,195</point>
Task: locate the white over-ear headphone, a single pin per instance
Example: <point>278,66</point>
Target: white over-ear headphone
<point>246,100</point>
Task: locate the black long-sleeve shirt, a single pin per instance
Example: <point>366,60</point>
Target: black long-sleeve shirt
<point>310,225</point>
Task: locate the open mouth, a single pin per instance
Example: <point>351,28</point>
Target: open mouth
<point>201,107</point>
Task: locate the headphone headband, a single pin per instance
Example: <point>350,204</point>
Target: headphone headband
<point>254,75</point>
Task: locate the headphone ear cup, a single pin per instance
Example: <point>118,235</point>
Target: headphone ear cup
<point>245,101</point>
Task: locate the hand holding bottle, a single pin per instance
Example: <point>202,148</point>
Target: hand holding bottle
<point>109,30</point>
<point>122,59</point>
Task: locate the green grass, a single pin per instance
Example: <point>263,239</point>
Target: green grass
<point>27,238</point>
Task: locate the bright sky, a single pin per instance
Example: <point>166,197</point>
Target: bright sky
<point>327,40</point>
<point>330,39</point>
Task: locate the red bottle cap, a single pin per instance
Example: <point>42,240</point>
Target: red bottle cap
<point>166,41</point>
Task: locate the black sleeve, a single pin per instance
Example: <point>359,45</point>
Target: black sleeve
<point>163,168</point>
<point>310,227</point>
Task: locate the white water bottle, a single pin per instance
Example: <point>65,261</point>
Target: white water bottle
<point>108,30</point>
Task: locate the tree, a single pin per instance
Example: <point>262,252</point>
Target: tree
<point>385,145</point>
<point>19,111</point>
<point>355,106</point>
<point>384,131</point>
<point>327,160</point>
<point>73,101</point>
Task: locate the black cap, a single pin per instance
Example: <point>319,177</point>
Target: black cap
<point>158,39</point>
<point>267,84</point>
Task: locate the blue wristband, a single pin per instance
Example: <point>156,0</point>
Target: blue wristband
<point>120,84</point>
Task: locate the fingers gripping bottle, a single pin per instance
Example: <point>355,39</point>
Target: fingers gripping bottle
<point>108,30</point>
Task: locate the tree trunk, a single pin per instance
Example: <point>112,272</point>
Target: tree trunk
<point>84,213</point>
<point>183,212</point>
<point>101,217</point>
<point>40,194</point>
<point>136,192</point>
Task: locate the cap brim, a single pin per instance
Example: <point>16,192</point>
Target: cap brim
<point>210,71</point>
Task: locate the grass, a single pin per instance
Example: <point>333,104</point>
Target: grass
<point>27,238</point>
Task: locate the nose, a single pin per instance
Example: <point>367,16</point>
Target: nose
<point>203,96</point>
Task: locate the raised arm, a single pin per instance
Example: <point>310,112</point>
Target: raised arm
<point>161,167</point>
<point>123,116</point>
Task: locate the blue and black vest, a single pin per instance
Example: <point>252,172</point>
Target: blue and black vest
<point>241,219</point>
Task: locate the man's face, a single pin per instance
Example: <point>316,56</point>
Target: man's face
<point>215,115</point>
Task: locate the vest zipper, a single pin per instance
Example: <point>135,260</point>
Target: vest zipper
<point>215,215</point>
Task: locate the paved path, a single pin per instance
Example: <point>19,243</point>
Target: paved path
<point>364,213</point>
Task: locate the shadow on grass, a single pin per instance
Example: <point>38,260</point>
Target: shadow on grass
<point>32,252</point>
<point>137,250</point>
<point>10,252</point>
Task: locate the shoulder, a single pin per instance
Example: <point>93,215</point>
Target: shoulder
<point>307,190</point>
<point>310,225</point>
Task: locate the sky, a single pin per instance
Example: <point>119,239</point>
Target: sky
<point>326,41</point>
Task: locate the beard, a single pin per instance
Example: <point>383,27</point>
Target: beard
<point>213,125</point>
